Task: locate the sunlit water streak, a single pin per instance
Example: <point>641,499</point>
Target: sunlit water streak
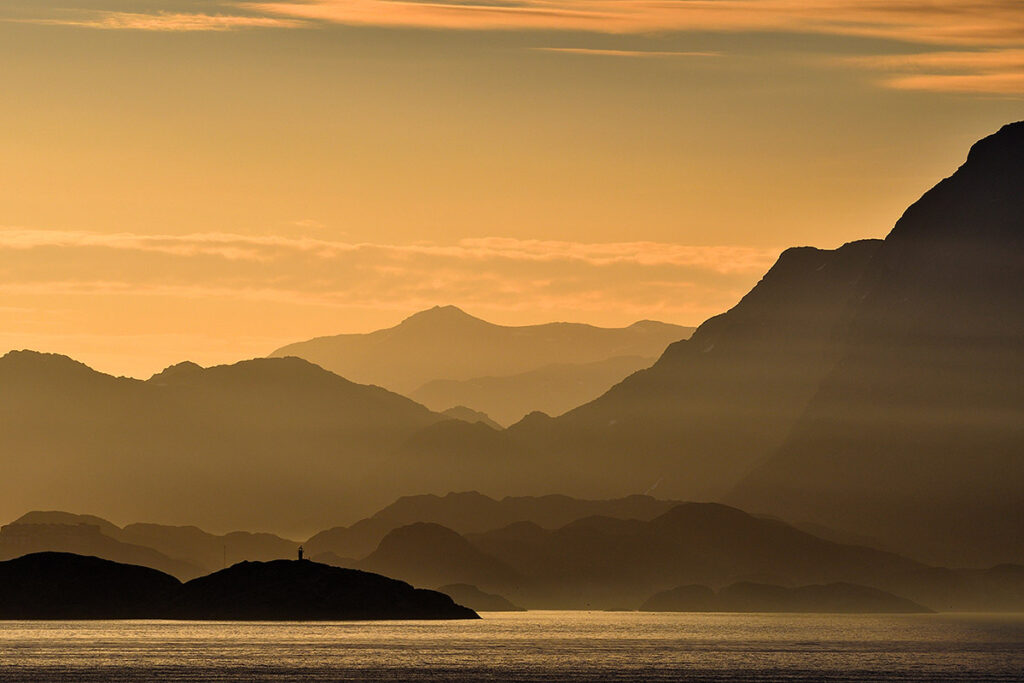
<point>532,646</point>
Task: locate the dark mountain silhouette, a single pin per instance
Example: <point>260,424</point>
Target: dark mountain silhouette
<point>210,551</point>
<point>304,590</point>
<point>758,597</point>
<point>472,512</point>
<point>183,552</point>
<point>604,562</point>
<point>916,435</point>
<point>715,404</point>
<point>430,555</point>
<point>607,563</point>
<point>22,538</point>
<point>477,600</point>
<point>202,444</point>
<point>356,541</point>
<point>444,342</point>
<point>552,389</point>
<point>67,586</point>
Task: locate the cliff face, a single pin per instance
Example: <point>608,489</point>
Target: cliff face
<point>715,404</point>
<point>916,435</point>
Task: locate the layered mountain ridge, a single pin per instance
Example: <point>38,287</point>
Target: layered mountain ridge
<point>199,444</point>
<point>444,357</point>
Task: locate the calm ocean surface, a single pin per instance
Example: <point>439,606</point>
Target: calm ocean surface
<point>532,646</point>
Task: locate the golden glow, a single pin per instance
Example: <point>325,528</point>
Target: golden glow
<point>211,185</point>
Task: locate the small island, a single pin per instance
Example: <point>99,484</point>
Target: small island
<point>302,590</point>
<point>67,586</point>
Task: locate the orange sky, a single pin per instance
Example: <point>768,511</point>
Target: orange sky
<point>209,180</point>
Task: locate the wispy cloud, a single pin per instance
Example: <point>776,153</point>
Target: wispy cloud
<point>145,15</point>
<point>167,21</point>
<point>640,54</point>
<point>937,22</point>
<point>996,72</point>
<point>130,302</point>
<point>517,274</point>
<point>945,22</point>
<point>721,259</point>
<point>985,29</point>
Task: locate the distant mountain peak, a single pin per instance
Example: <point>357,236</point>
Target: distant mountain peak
<point>979,206</point>
<point>178,369</point>
<point>40,365</point>
<point>441,315</point>
<point>1004,147</point>
<point>30,357</point>
<point>444,343</point>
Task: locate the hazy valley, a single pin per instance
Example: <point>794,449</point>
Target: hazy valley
<point>858,412</point>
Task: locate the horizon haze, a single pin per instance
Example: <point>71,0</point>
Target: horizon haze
<point>547,340</point>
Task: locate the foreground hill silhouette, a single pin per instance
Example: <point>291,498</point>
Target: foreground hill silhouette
<point>831,598</point>
<point>304,590</point>
<point>68,586</point>
<point>917,433</point>
<point>447,343</point>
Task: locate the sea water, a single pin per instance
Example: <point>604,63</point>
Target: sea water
<point>527,646</point>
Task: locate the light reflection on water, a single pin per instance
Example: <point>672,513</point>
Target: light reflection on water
<point>532,646</point>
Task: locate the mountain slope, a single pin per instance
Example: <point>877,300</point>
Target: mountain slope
<point>268,443</point>
<point>917,434</point>
<point>473,512</point>
<point>446,343</point>
<point>604,562</point>
<point>24,538</point>
<point>712,405</point>
<point>182,551</point>
<point>431,555</point>
<point>552,389</point>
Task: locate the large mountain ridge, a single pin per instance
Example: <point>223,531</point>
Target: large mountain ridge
<point>446,343</point>
<point>874,388</point>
